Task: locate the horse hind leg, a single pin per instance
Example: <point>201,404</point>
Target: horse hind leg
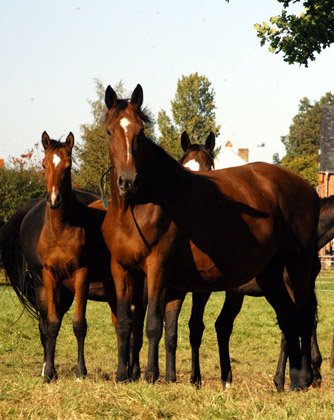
<point>279,378</point>
<point>224,326</point>
<point>173,304</point>
<point>316,359</point>
<point>271,282</point>
<point>196,329</point>
<point>302,276</point>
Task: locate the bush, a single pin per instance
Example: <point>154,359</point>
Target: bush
<point>16,188</point>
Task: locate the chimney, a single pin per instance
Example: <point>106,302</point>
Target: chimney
<point>2,163</point>
<point>243,153</point>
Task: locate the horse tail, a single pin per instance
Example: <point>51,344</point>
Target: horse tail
<point>13,260</point>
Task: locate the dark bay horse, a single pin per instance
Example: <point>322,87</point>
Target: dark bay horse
<point>199,157</point>
<point>205,232</point>
<point>72,253</point>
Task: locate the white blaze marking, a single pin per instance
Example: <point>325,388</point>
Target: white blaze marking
<point>53,195</point>
<point>124,124</point>
<point>192,165</point>
<point>56,160</point>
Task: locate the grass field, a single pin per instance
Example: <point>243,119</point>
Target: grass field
<point>254,350</point>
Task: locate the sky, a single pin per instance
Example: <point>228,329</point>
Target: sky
<point>52,52</point>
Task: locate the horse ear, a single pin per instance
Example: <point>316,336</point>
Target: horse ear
<point>70,140</point>
<point>110,97</point>
<point>137,97</point>
<point>210,142</point>
<point>185,141</point>
<point>45,140</point>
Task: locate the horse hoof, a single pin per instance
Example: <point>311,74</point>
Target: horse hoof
<point>226,385</point>
<point>316,383</point>
<point>80,373</point>
<point>151,377</point>
<point>197,382</point>
<point>170,378</point>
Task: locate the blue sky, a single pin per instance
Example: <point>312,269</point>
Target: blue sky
<point>51,51</point>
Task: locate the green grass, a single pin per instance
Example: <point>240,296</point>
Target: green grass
<point>254,351</point>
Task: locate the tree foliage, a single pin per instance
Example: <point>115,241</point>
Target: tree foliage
<point>303,141</point>
<point>193,110</point>
<point>92,153</point>
<point>299,37</point>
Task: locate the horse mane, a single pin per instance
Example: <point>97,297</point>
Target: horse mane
<point>144,114</point>
<point>197,147</point>
<point>55,144</point>
<point>326,203</point>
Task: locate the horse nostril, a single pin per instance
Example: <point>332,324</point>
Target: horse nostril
<point>120,181</point>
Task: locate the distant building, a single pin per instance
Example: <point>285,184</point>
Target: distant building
<point>227,158</point>
<point>2,163</point>
<point>326,152</point>
<point>326,169</point>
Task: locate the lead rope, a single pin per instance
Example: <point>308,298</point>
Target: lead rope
<point>103,196</point>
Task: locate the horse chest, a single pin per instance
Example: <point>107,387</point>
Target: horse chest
<point>131,239</point>
<point>62,254</point>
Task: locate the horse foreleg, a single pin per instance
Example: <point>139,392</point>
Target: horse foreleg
<point>174,300</point>
<point>53,324</point>
<point>154,322</point>
<point>138,309</point>
<point>81,286</point>
<point>224,326</point>
<point>123,281</point>
<point>196,329</point>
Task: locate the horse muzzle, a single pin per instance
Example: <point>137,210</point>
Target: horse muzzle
<point>127,185</point>
<point>54,200</point>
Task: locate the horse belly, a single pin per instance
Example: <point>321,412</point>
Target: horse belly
<point>203,273</point>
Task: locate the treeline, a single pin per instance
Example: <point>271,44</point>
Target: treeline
<point>192,110</point>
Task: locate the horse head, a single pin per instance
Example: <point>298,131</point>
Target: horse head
<point>197,157</point>
<point>57,168</point>
<point>125,130</point>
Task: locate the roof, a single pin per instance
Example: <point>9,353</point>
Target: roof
<point>227,158</point>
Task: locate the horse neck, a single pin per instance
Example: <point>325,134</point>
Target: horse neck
<point>60,218</point>
<point>325,226</point>
<point>160,178</point>
<point>164,177</point>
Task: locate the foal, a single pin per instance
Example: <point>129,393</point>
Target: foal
<point>72,252</point>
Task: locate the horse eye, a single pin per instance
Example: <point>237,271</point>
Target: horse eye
<point>108,131</point>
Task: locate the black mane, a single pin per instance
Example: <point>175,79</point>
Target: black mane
<point>327,203</point>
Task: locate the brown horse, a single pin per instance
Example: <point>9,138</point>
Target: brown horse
<point>199,157</point>
<point>72,252</point>
<point>205,232</point>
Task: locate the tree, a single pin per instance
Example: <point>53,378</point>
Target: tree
<point>303,141</point>
<point>93,153</point>
<point>193,110</point>
<point>299,37</point>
